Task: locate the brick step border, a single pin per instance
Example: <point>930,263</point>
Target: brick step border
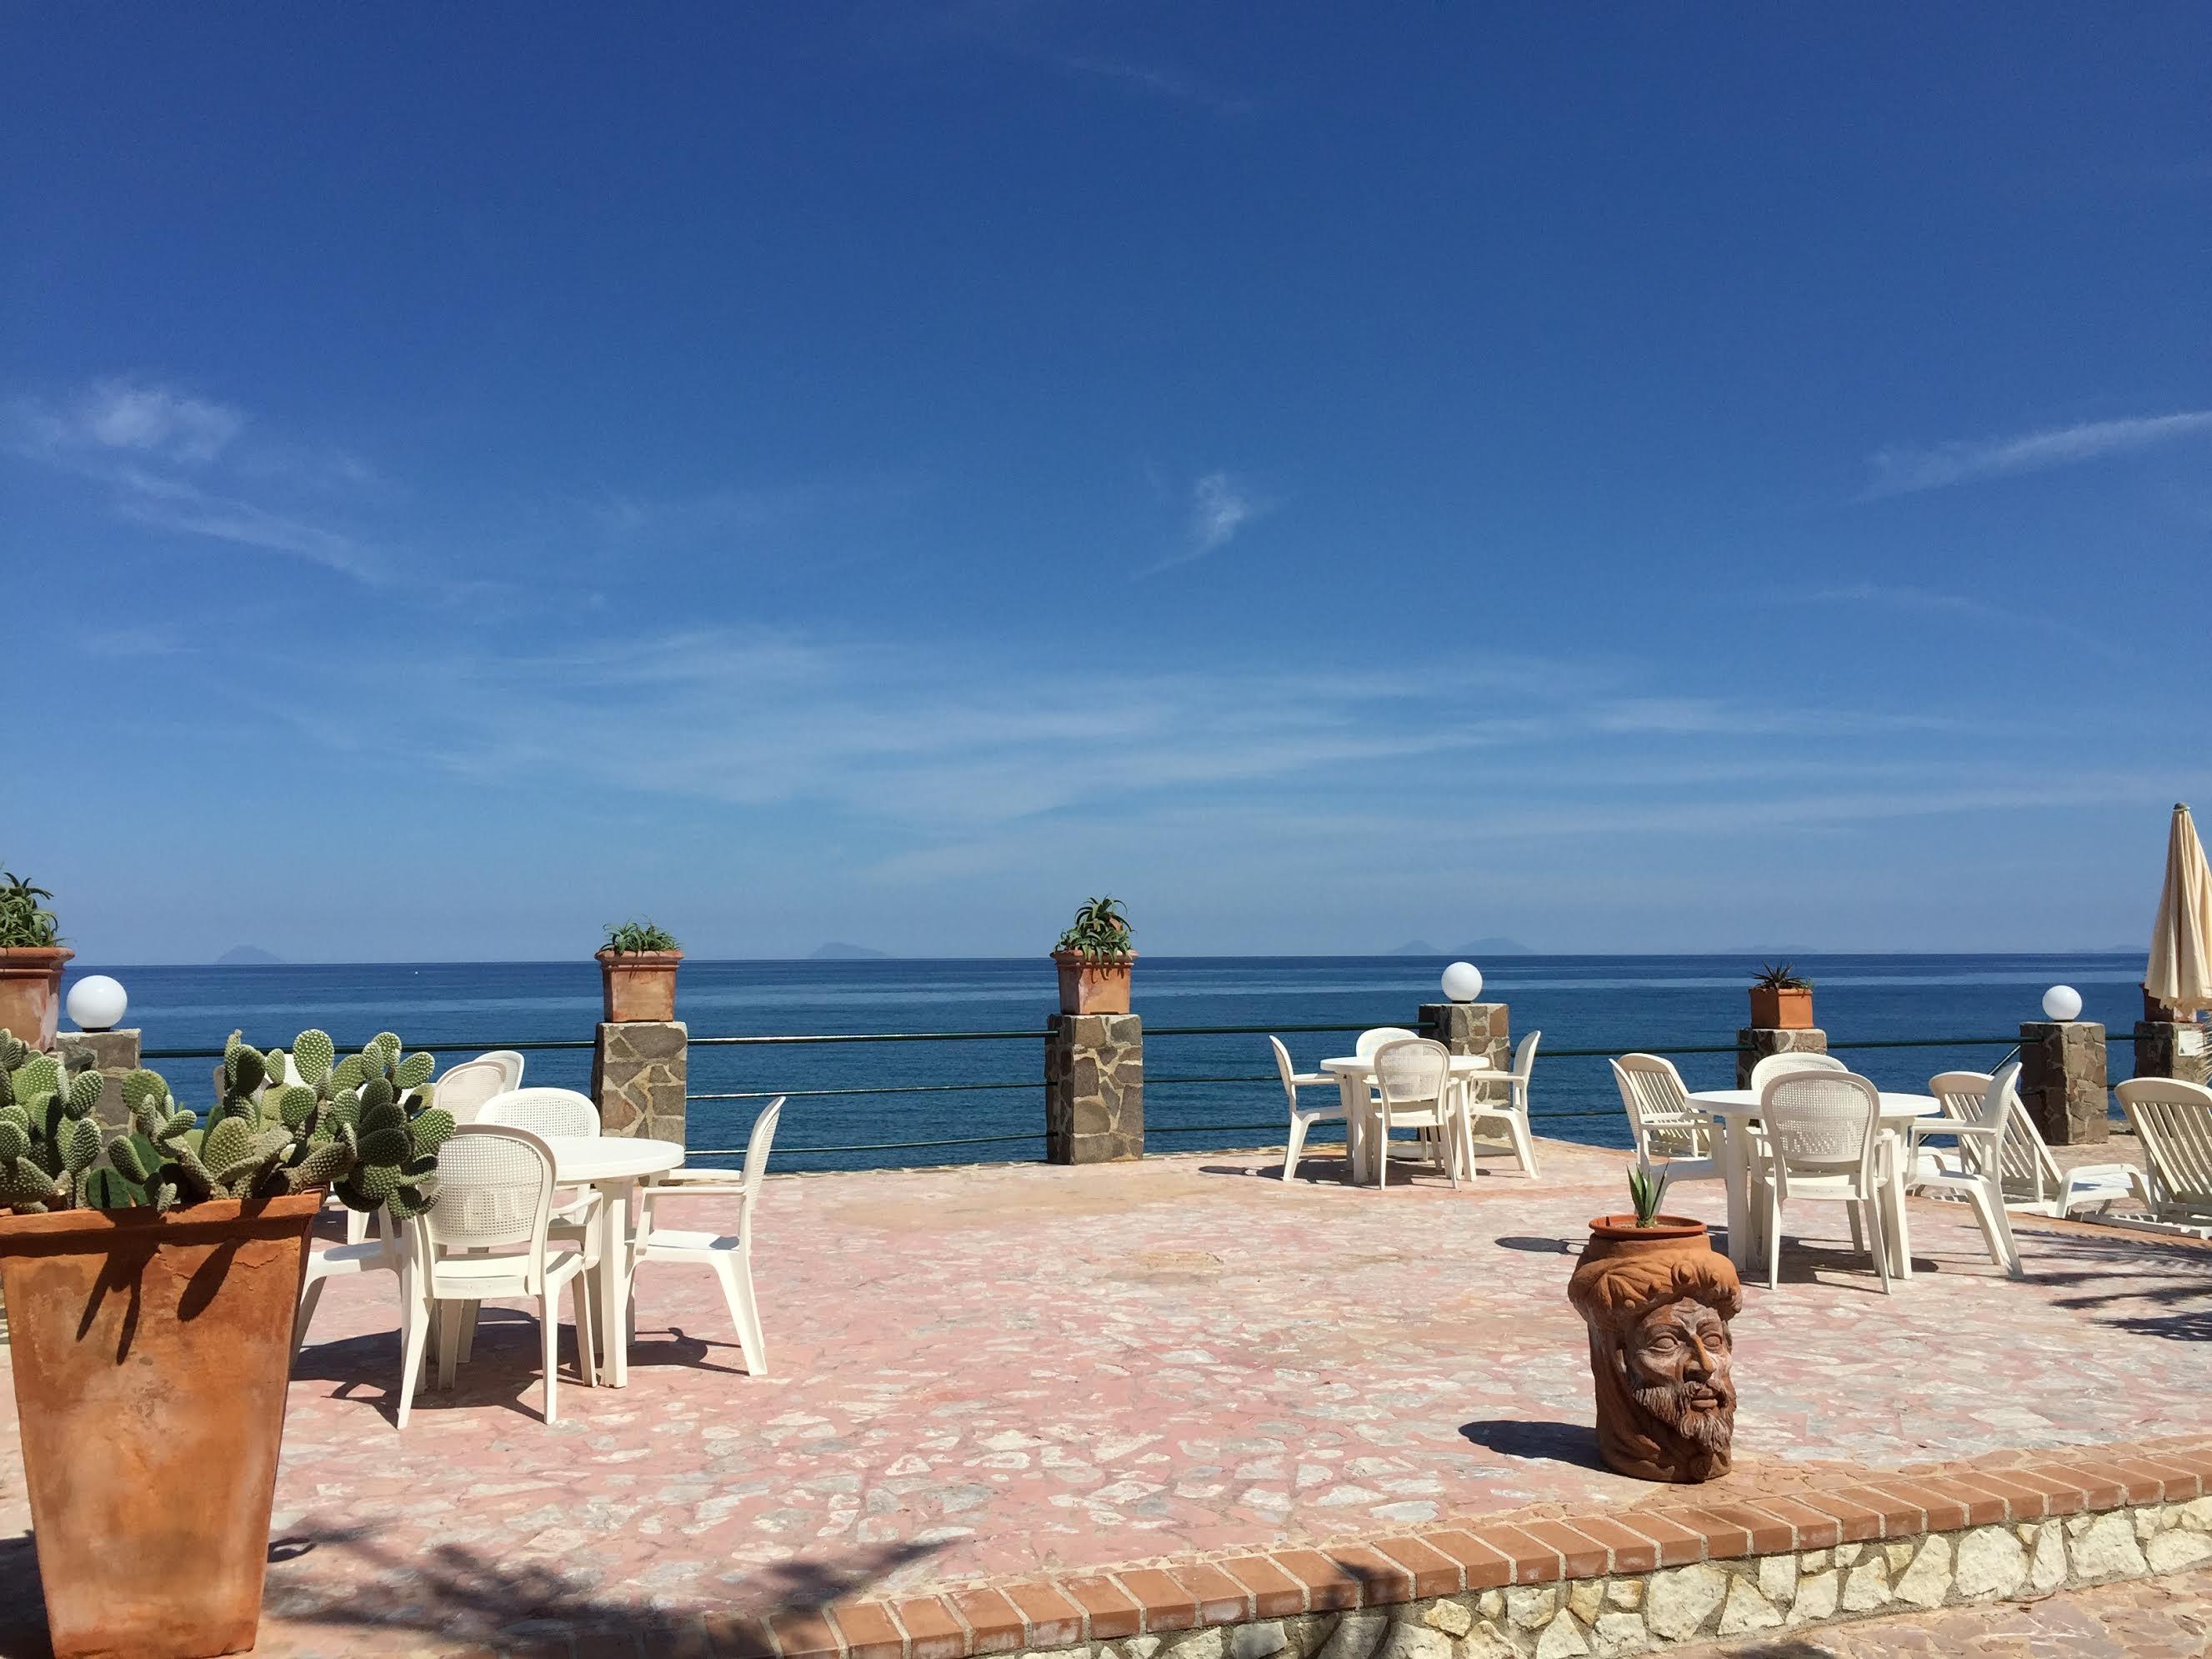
<point>1626,1581</point>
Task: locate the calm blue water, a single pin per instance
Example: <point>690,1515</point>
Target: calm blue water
<point>1609,1003</point>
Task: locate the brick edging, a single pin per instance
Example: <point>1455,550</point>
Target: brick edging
<point>1112,1604</point>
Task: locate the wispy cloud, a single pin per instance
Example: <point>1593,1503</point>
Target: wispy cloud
<point>172,461</point>
<point>1070,40</point>
<point>1904,470</point>
<point>1220,506</point>
<point>1991,619</point>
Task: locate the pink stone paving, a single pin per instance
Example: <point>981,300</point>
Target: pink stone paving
<point>1013,1370</point>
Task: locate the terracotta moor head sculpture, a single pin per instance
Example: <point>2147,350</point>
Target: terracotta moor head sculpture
<point>1658,1313</point>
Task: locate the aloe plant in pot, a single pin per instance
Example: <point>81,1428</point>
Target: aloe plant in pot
<point>151,1271</point>
<point>31,957</point>
<point>1781,999</point>
<point>1094,959</point>
<point>637,972</point>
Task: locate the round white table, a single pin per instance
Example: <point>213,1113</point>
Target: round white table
<point>1733,1112</point>
<point>1355,1079</point>
<point>613,1165</point>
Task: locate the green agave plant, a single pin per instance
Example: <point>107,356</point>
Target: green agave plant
<point>640,936</point>
<point>1099,932</point>
<point>1780,977</point>
<point>1645,1189</point>
<point>365,1126</point>
<point>22,922</point>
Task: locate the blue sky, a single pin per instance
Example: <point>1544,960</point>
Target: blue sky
<point>1647,479</point>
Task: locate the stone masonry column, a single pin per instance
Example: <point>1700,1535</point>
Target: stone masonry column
<point>113,1055</point>
<point>1755,1042</point>
<point>1471,1028</point>
<point>640,1069</point>
<point>2062,1080</point>
<point>1094,1087</point>
<point>2168,1044</point>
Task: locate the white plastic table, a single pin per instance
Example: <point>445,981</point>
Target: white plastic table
<point>1733,1112</point>
<point>613,1163</point>
<point>1355,1079</point>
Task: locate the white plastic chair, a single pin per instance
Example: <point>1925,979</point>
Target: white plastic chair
<point>1775,1066</point>
<point>1822,1139</point>
<point>1376,1037</point>
<point>382,1254</point>
<point>2033,1183</point>
<point>2174,1119</point>
<point>1513,1111</point>
<point>1669,1131</point>
<point>730,1254</point>
<point>542,1111</point>
<point>463,1089</point>
<point>484,1240</point>
<point>1974,1169</point>
<point>1414,1088</point>
<point>1303,1117</point>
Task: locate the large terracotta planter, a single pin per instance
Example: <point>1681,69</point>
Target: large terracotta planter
<point>1782,1011</point>
<point>31,991</point>
<point>151,1354</point>
<point>1657,1300</point>
<point>1090,986</point>
<point>639,984</point>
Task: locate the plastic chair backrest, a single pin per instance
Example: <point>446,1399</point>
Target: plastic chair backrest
<point>758,1143</point>
<point>1411,1072</point>
<point>2174,1119</point>
<point>1524,1057</point>
<point>464,1087</point>
<point>1371,1041</point>
<point>1284,1066</point>
<point>1660,1115</point>
<point>542,1111</point>
<point>495,1191</point>
<point>1821,1123</point>
<point>1775,1066</point>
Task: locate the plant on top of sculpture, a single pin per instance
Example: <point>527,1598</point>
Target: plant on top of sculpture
<point>632,937</point>
<point>1780,978</point>
<point>21,920</point>
<point>1100,932</point>
<point>364,1126</point>
<point>1645,1189</point>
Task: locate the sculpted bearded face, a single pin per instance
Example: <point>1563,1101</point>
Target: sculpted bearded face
<point>1676,1357</point>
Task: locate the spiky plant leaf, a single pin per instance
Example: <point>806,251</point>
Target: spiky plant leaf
<point>390,1044</point>
<point>142,1089</point>
<point>294,1106</point>
<point>81,1149</point>
<point>15,1142</point>
<point>41,1074</point>
<point>128,1153</point>
<point>384,1146</point>
<point>110,1189</point>
<point>348,1074</point>
<point>226,1143</point>
<point>84,1093</point>
<point>414,1071</point>
<point>312,1054</point>
<point>386,1114</point>
<point>377,1092</point>
<point>433,1130</point>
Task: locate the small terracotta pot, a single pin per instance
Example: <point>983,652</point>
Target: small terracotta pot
<point>1773,1010</point>
<point>639,984</point>
<point>31,991</point>
<point>151,1355</point>
<point>1090,986</point>
<point>1621,1230</point>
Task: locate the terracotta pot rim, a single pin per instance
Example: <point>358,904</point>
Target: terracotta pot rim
<point>141,1219</point>
<point>1076,958</point>
<point>35,952</point>
<point>1663,1226</point>
<point>609,957</point>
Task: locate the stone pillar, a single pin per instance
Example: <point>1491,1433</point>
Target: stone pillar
<point>1471,1028</point>
<point>640,1069</point>
<point>113,1055</point>
<point>2062,1080</point>
<point>2173,1047</point>
<point>1094,1087</point>
<point>1755,1042</point>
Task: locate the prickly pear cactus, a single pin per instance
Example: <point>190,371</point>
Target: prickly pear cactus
<point>363,1127</point>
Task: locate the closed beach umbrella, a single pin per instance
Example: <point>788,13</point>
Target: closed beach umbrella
<point>2180,973</point>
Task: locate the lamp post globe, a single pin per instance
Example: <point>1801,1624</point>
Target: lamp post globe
<point>1462,983</point>
<point>2062,1003</point>
<point>96,1003</point>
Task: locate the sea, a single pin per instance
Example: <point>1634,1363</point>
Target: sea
<point>978,1096</point>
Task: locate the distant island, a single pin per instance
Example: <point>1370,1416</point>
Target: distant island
<point>247,956</point>
<point>1481,947</point>
<point>836,950</point>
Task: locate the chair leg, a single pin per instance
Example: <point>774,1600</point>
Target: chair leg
<point>417,1312</point>
<point>752,1311</point>
<point>1296,1145</point>
<point>301,1320</point>
<point>1858,1232</point>
<point>468,1331</point>
<point>449,1342</point>
<point>1773,1239</point>
<point>1524,1145</point>
<point>588,1364</point>
<point>1996,1230</point>
<point>549,1330</point>
<point>1878,1224</point>
<point>737,1291</point>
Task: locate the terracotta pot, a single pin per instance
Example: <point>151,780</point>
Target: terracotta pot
<point>1782,1011</point>
<point>639,984</point>
<point>1657,1300</point>
<point>31,991</point>
<point>1089,985</point>
<point>151,1356</point>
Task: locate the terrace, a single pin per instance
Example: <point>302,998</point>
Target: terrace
<point>1045,1380</point>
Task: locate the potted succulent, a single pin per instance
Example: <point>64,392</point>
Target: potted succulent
<point>1094,959</point>
<point>1657,1300</point>
<point>151,1272</point>
<point>637,972</point>
<point>31,959</point>
<point>1781,999</point>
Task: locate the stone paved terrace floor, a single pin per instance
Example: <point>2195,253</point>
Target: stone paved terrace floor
<point>1005,1369</point>
<point>2146,1619</point>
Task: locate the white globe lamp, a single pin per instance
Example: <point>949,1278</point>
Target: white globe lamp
<point>96,1003</point>
<point>2062,1003</point>
<point>1462,983</point>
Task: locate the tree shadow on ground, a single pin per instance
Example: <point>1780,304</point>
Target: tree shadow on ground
<point>2166,1293</point>
<point>1551,1442</point>
<point>453,1595</point>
